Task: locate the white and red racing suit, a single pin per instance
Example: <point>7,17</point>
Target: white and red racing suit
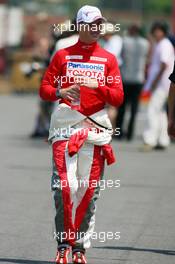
<point>78,158</point>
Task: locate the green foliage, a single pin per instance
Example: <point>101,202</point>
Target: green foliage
<point>74,5</point>
<point>162,6</point>
<point>86,2</point>
<point>149,6</point>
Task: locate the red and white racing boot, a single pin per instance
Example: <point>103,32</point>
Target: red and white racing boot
<point>79,257</point>
<point>62,256</point>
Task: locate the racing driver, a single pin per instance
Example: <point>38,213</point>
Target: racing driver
<point>82,79</point>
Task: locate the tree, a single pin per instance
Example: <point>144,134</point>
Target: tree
<point>74,5</point>
<point>161,6</point>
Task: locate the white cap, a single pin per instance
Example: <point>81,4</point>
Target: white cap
<point>89,14</point>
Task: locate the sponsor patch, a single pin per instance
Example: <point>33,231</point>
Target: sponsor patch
<point>75,57</point>
<point>98,59</point>
<point>93,70</point>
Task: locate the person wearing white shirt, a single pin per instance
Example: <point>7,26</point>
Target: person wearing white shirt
<point>113,43</point>
<point>158,83</point>
<point>171,106</point>
<point>134,56</point>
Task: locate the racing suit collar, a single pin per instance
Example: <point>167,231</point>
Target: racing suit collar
<point>87,47</point>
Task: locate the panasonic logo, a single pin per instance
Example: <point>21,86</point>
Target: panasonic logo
<point>86,66</point>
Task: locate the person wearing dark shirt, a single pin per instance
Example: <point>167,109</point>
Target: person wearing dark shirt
<point>171,106</point>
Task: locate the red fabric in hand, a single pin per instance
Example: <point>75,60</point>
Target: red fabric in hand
<point>76,141</point>
<point>108,154</point>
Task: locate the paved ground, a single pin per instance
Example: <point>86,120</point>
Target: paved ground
<point>142,209</point>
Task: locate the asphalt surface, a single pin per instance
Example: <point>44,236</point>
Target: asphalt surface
<point>142,209</point>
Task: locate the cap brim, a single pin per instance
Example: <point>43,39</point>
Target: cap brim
<point>93,20</point>
<point>102,18</point>
<point>98,18</point>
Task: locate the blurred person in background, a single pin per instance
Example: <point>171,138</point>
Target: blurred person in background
<point>113,43</point>
<point>171,106</point>
<point>40,62</point>
<point>3,60</point>
<point>69,37</point>
<point>134,57</point>
<point>30,37</point>
<point>171,37</point>
<point>155,134</point>
<point>59,41</point>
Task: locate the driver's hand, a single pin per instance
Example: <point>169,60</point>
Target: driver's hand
<point>71,93</point>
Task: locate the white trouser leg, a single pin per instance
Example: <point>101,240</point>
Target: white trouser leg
<point>164,139</point>
<point>156,120</point>
<point>90,172</point>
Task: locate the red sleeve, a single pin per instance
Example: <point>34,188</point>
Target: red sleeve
<point>113,90</point>
<point>50,80</point>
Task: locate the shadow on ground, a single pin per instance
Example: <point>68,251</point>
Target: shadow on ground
<point>25,261</point>
<point>151,250</point>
